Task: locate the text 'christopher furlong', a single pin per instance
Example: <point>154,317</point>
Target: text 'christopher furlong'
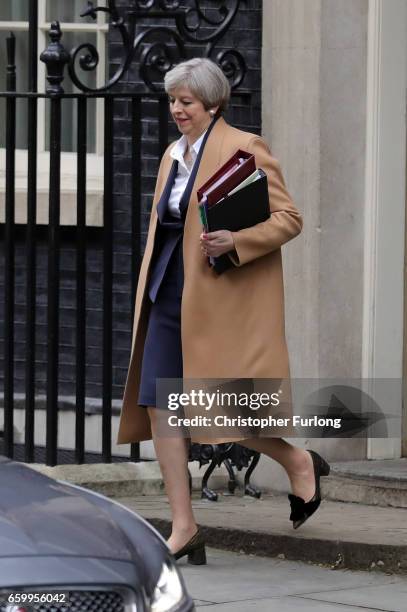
<point>238,421</point>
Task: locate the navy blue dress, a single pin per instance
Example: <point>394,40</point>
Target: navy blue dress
<point>162,357</point>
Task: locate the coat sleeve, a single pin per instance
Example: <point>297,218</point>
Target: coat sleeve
<point>285,221</point>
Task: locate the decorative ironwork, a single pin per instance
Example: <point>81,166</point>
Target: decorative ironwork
<point>55,57</point>
<point>232,455</point>
<point>90,60</point>
<point>156,57</point>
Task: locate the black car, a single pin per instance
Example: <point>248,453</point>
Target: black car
<point>63,547</point>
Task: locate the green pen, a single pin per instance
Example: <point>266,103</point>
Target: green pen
<point>202,215</point>
<point>204,221</point>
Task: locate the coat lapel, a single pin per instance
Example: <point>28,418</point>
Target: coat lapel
<point>209,162</point>
<point>163,201</point>
<point>211,157</point>
<point>186,196</point>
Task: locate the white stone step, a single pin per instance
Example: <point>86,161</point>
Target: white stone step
<point>375,482</point>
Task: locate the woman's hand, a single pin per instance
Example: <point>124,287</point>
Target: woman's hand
<point>214,244</point>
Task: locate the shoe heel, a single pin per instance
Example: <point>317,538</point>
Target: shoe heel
<point>197,556</point>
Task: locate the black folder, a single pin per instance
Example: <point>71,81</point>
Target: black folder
<point>245,208</point>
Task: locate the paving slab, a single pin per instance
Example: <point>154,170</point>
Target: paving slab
<point>235,581</point>
<point>381,597</point>
<point>235,576</point>
<point>283,604</point>
<point>339,534</point>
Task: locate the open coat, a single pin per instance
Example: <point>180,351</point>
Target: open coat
<point>232,325</point>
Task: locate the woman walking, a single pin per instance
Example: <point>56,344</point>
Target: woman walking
<point>189,322</point>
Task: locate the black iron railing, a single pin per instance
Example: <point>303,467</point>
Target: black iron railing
<point>56,55</point>
<point>9,249</point>
<point>154,58</point>
<point>54,230</point>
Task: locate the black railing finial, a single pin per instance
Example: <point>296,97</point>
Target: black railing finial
<point>55,57</point>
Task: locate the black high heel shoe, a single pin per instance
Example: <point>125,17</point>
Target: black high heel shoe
<point>195,549</point>
<point>301,510</point>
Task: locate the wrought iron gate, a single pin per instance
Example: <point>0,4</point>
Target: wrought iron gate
<point>191,25</point>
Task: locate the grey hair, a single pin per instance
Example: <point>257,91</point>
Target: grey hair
<point>204,78</point>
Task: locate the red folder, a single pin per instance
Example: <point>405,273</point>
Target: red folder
<point>230,175</point>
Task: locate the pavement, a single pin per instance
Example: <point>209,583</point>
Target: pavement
<point>242,583</point>
<point>339,535</point>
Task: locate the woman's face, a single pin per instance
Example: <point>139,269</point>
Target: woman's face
<point>189,113</point>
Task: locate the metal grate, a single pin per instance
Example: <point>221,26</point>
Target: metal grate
<point>79,601</point>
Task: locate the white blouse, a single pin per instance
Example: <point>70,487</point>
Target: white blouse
<point>183,174</point>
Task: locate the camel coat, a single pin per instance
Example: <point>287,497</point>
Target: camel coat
<point>232,325</point>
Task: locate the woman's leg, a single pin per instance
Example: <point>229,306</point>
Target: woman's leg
<point>172,455</point>
<point>296,461</point>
